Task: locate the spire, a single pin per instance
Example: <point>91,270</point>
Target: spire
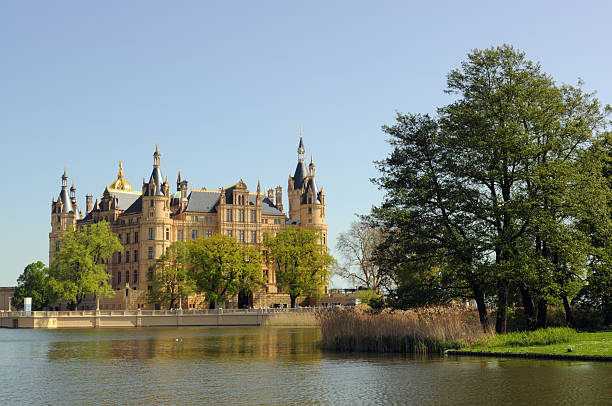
<point>156,157</point>
<point>258,186</point>
<point>301,150</point>
<point>311,167</point>
<point>64,179</point>
<point>178,180</point>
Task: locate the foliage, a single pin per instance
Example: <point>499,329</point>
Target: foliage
<point>34,283</point>
<point>301,261</point>
<point>78,268</point>
<point>222,267</point>
<point>171,277</point>
<point>487,200</point>
<point>357,246</point>
<point>367,296</point>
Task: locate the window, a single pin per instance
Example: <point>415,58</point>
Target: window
<point>150,253</point>
<point>120,239</point>
<point>152,203</point>
<point>167,234</point>
<point>208,233</point>
<point>194,234</point>
<point>310,210</point>
<point>127,237</point>
<point>310,200</point>
<point>310,220</point>
<point>253,236</point>
<point>118,257</point>
<point>135,276</point>
<point>127,276</point>
<point>230,233</point>
<point>241,235</point>
<point>179,235</point>
<point>59,218</point>
<point>228,215</point>
<point>127,257</point>
<point>253,216</point>
<point>118,278</point>
<point>57,245</point>
<point>151,213</point>
<point>135,236</point>
<point>135,255</point>
<point>323,238</point>
<point>241,215</point>
<point>151,233</point>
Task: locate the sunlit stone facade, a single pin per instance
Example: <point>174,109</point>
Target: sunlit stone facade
<point>147,222</point>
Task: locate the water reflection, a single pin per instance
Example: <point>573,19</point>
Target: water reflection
<point>269,366</point>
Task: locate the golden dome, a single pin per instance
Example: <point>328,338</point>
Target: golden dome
<point>121,183</point>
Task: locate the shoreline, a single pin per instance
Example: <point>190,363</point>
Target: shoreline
<point>529,355</point>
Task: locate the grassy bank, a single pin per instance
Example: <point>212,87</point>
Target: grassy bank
<point>422,331</point>
<point>554,341</point>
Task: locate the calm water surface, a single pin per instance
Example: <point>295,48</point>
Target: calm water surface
<point>257,365</point>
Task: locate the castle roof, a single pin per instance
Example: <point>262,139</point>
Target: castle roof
<point>300,175</point>
<point>311,187</point>
<point>206,201</point>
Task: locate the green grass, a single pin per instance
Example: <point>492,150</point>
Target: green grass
<point>555,341</point>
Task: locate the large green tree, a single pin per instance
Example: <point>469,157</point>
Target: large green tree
<point>171,277</point>
<point>223,267</point>
<point>34,283</point>
<point>488,189</point>
<point>78,268</point>
<point>301,262</point>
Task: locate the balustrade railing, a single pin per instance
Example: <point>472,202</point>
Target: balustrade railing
<point>174,312</point>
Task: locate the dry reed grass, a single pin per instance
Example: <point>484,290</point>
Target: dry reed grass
<point>291,319</point>
<point>430,330</point>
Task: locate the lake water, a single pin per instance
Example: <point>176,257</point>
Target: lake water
<point>263,365</point>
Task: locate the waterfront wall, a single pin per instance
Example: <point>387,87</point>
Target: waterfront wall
<point>143,318</point>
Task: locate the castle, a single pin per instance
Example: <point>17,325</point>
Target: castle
<point>147,222</point>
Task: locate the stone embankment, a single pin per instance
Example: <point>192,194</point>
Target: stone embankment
<point>146,318</point>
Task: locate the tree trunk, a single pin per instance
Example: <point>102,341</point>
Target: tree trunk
<point>98,303</point>
<point>293,298</point>
<point>502,307</point>
<point>482,308</point>
<point>607,316</point>
<point>528,307</point>
<point>542,313</point>
<point>569,318</point>
<point>212,305</point>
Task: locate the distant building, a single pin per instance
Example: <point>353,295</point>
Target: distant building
<point>148,221</point>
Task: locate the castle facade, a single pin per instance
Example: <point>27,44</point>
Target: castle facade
<point>148,221</point>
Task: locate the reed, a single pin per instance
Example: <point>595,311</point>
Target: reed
<point>430,330</point>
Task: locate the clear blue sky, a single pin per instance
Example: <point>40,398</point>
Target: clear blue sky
<point>223,86</point>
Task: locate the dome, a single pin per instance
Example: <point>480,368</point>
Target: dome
<point>121,183</point>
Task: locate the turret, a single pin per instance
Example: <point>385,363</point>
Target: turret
<point>88,203</point>
<point>279,198</point>
<point>63,215</point>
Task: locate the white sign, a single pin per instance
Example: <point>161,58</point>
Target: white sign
<point>27,304</point>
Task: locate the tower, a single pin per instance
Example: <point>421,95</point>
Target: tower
<point>296,183</point>
<point>63,215</point>
<point>155,226</point>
